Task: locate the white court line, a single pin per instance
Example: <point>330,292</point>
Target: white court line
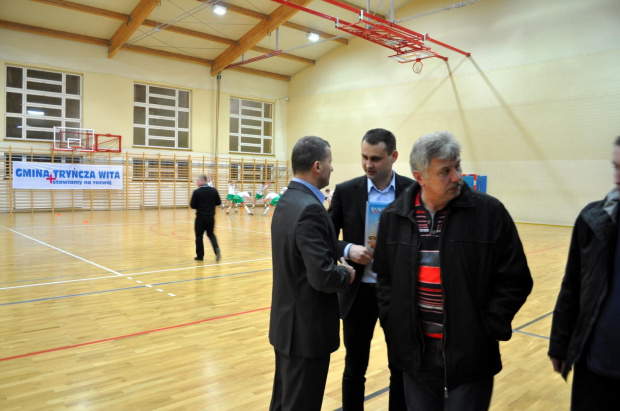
<point>63,251</point>
<point>98,225</point>
<point>125,224</point>
<point>145,272</point>
<point>197,266</point>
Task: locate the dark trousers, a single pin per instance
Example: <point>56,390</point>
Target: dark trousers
<point>427,393</point>
<point>299,383</point>
<point>591,391</point>
<point>204,223</point>
<point>358,329</point>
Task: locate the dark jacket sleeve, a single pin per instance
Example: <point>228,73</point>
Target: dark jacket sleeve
<point>336,214</point>
<point>511,281</point>
<point>218,200</point>
<point>194,201</point>
<point>380,265</point>
<point>567,306</point>
<point>313,237</point>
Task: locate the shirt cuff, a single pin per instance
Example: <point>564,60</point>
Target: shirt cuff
<point>346,251</point>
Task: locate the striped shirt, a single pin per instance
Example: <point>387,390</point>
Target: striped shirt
<point>429,299</point>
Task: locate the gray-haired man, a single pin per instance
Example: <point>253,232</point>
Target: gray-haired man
<point>451,275</point>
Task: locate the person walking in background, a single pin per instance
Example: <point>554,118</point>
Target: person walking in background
<point>585,332</point>
<point>204,200</point>
<point>304,324</point>
<point>451,275</point>
<point>358,304</point>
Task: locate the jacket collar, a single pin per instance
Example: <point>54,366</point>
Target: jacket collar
<point>602,219</point>
<point>404,205</point>
<point>361,191</point>
<point>302,187</point>
<point>611,204</point>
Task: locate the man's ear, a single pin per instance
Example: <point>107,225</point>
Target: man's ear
<point>417,176</point>
<point>394,156</point>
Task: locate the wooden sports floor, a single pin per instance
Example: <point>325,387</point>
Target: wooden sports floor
<point>108,311</point>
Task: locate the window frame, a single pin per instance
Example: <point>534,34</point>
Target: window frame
<point>37,100</point>
<point>155,116</point>
<point>242,137</point>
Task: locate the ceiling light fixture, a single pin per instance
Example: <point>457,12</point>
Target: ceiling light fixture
<point>312,36</point>
<point>219,10</point>
<point>35,112</point>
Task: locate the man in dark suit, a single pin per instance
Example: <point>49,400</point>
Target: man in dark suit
<point>204,200</point>
<point>358,304</point>
<point>304,326</point>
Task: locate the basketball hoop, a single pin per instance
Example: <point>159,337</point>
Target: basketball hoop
<point>417,66</point>
<point>74,139</point>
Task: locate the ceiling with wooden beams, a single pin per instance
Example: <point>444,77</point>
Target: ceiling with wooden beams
<point>189,30</point>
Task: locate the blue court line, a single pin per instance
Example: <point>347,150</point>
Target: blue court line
<point>130,288</point>
<point>533,321</point>
<point>532,335</point>
<point>215,276</point>
<point>71,295</point>
<point>60,277</point>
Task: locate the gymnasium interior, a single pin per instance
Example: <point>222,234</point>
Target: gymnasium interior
<point>103,306</point>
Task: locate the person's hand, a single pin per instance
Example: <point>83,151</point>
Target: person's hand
<point>351,270</point>
<point>360,254</point>
<point>558,365</point>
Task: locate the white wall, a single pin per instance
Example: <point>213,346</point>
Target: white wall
<point>535,106</point>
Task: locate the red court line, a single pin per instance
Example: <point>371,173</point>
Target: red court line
<point>545,249</point>
<point>134,334</point>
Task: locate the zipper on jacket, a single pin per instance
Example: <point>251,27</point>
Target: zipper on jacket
<point>445,314</point>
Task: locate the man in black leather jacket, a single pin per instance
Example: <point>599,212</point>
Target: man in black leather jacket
<point>451,275</point>
<point>585,332</point>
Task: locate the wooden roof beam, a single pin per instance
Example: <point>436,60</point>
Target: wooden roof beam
<point>52,33</point>
<point>256,34</point>
<point>138,49</point>
<point>136,18</point>
<point>174,29</point>
<point>96,11</point>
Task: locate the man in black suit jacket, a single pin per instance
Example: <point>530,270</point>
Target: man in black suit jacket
<point>304,327</point>
<point>204,200</point>
<point>358,304</point>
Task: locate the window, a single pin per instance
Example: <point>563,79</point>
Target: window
<point>152,171</point>
<point>39,100</point>
<point>251,127</point>
<point>160,117</point>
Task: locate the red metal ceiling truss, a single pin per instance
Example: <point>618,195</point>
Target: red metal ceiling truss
<point>407,44</point>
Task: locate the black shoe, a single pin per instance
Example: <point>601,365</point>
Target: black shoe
<point>198,258</point>
<point>218,255</point>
